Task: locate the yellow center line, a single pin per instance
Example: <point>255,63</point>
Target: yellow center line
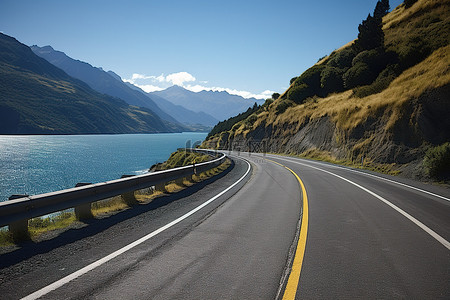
<point>294,276</point>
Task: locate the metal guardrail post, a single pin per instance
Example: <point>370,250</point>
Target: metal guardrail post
<point>19,229</point>
<point>129,197</point>
<point>16,212</point>
<point>161,187</point>
<point>83,211</point>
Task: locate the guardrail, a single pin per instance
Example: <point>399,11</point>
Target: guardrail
<point>16,212</point>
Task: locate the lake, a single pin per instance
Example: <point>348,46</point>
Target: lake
<point>39,164</point>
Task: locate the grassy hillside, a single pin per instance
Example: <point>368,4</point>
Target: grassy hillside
<point>392,119</point>
<point>38,98</point>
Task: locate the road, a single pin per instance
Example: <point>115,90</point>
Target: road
<point>362,237</point>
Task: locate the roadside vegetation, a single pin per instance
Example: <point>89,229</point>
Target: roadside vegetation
<point>46,227</point>
<point>383,96</point>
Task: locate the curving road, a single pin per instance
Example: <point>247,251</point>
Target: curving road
<point>366,237</point>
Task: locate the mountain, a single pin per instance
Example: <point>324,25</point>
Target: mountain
<point>220,105</point>
<point>101,81</point>
<point>38,98</point>
<point>184,115</point>
<point>383,99</point>
<point>112,84</point>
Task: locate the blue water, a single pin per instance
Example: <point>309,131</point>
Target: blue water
<point>40,164</point>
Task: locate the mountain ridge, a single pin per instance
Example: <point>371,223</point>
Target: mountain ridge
<point>220,105</point>
<point>36,97</point>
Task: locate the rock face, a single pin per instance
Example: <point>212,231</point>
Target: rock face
<point>423,121</point>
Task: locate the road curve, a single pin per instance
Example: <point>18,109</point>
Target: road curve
<point>368,237</point>
<point>236,246</point>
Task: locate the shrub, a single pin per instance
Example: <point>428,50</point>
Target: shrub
<point>342,59</point>
<point>413,51</point>
<point>437,161</point>
<point>359,74</point>
<point>275,96</point>
<point>331,80</point>
<point>292,80</point>
<point>252,119</point>
<point>299,93</point>
<point>311,77</point>
<point>283,105</point>
<point>381,83</point>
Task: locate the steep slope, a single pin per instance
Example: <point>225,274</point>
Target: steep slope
<point>38,98</point>
<point>220,105</point>
<point>390,122</point>
<point>99,80</point>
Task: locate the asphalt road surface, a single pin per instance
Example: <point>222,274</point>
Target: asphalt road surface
<point>237,238</point>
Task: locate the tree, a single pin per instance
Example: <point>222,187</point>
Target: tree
<point>275,96</point>
<point>381,9</point>
<point>409,3</point>
<point>370,34</point>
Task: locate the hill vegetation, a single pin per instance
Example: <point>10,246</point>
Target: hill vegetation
<point>39,98</point>
<point>384,97</point>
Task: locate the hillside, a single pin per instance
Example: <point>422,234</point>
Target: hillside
<point>38,98</point>
<point>389,104</point>
<point>220,105</point>
<point>99,80</point>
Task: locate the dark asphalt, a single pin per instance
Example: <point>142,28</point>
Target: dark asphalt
<point>237,247</point>
<point>360,248</point>
<point>233,248</point>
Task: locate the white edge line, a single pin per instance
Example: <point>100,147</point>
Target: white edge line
<point>436,236</point>
<point>379,177</point>
<point>45,290</point>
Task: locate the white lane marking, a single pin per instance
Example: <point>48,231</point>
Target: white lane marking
<point>378,177</point>
<point>436,236</point>
<point>68,278</point>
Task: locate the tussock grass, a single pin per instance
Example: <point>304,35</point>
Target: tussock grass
<point>349,111</point>
<point>107,206</point>
<point>38,226</point>
<point>320,155</point>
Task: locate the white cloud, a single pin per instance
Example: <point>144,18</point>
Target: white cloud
<point>151,83</point>
<point>148,88</point>
<point>180,78</point>
<point>245,94</point>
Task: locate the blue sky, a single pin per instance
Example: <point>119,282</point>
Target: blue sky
<point>245,47</point>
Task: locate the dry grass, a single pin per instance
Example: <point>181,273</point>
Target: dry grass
<point>320,155</point>
<point>348,111</point>
<point>107,206</point>
<point>38,226</point>
<point>402,15</point>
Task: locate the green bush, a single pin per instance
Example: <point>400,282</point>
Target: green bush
<point>252,119</point>
<point>413,51</point>
<point>311,78</point>
<point>283,105</point>
<point>299,93</point>
<point>437,161</point>
<point>381,83</point>
<point>331,80</point>
<point>342,59</point>
<point>358,75</point>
